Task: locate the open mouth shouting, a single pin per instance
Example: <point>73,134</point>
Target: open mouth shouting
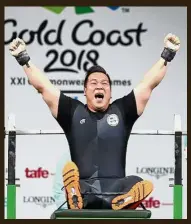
<point>99,97</point>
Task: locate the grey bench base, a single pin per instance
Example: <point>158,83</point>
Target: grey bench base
<point>101,214</point>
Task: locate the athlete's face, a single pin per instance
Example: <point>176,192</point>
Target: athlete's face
<point>98,92</point>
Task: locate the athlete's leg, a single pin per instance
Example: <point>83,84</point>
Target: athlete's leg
<point>80,193</point>
<point>72,187</point>
<point>135,191</point>
<point>91,195</point>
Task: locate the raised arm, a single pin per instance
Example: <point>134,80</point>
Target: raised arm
<point>156,74</point>
<point>36,78</point>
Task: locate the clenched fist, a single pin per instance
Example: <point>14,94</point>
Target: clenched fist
<point>18,49</point>
<point>172,42</point>
<point>17,46</point>
<point>172,45</point>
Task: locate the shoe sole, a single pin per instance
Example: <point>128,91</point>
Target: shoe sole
<point>70,175</point>
<point>137,193</point>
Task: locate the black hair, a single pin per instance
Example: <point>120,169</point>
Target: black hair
<point>95,68</point>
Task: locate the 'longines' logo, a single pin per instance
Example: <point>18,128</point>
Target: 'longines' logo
<point>43,201</point>
<point>155,171</point>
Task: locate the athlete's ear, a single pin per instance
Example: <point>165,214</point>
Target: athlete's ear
<point>84,91</point>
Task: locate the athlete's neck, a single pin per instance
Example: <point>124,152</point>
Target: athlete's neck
<point>95,110</point>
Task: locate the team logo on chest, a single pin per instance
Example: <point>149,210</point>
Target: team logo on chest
<point>113,120</point>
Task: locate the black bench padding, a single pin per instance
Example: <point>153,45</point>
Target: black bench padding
<point>104,213</point>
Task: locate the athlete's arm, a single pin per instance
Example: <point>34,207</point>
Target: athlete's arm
<point>36,78</point>
<point>156,74</point>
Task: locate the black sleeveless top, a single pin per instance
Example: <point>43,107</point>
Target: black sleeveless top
<point>98,140</point>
